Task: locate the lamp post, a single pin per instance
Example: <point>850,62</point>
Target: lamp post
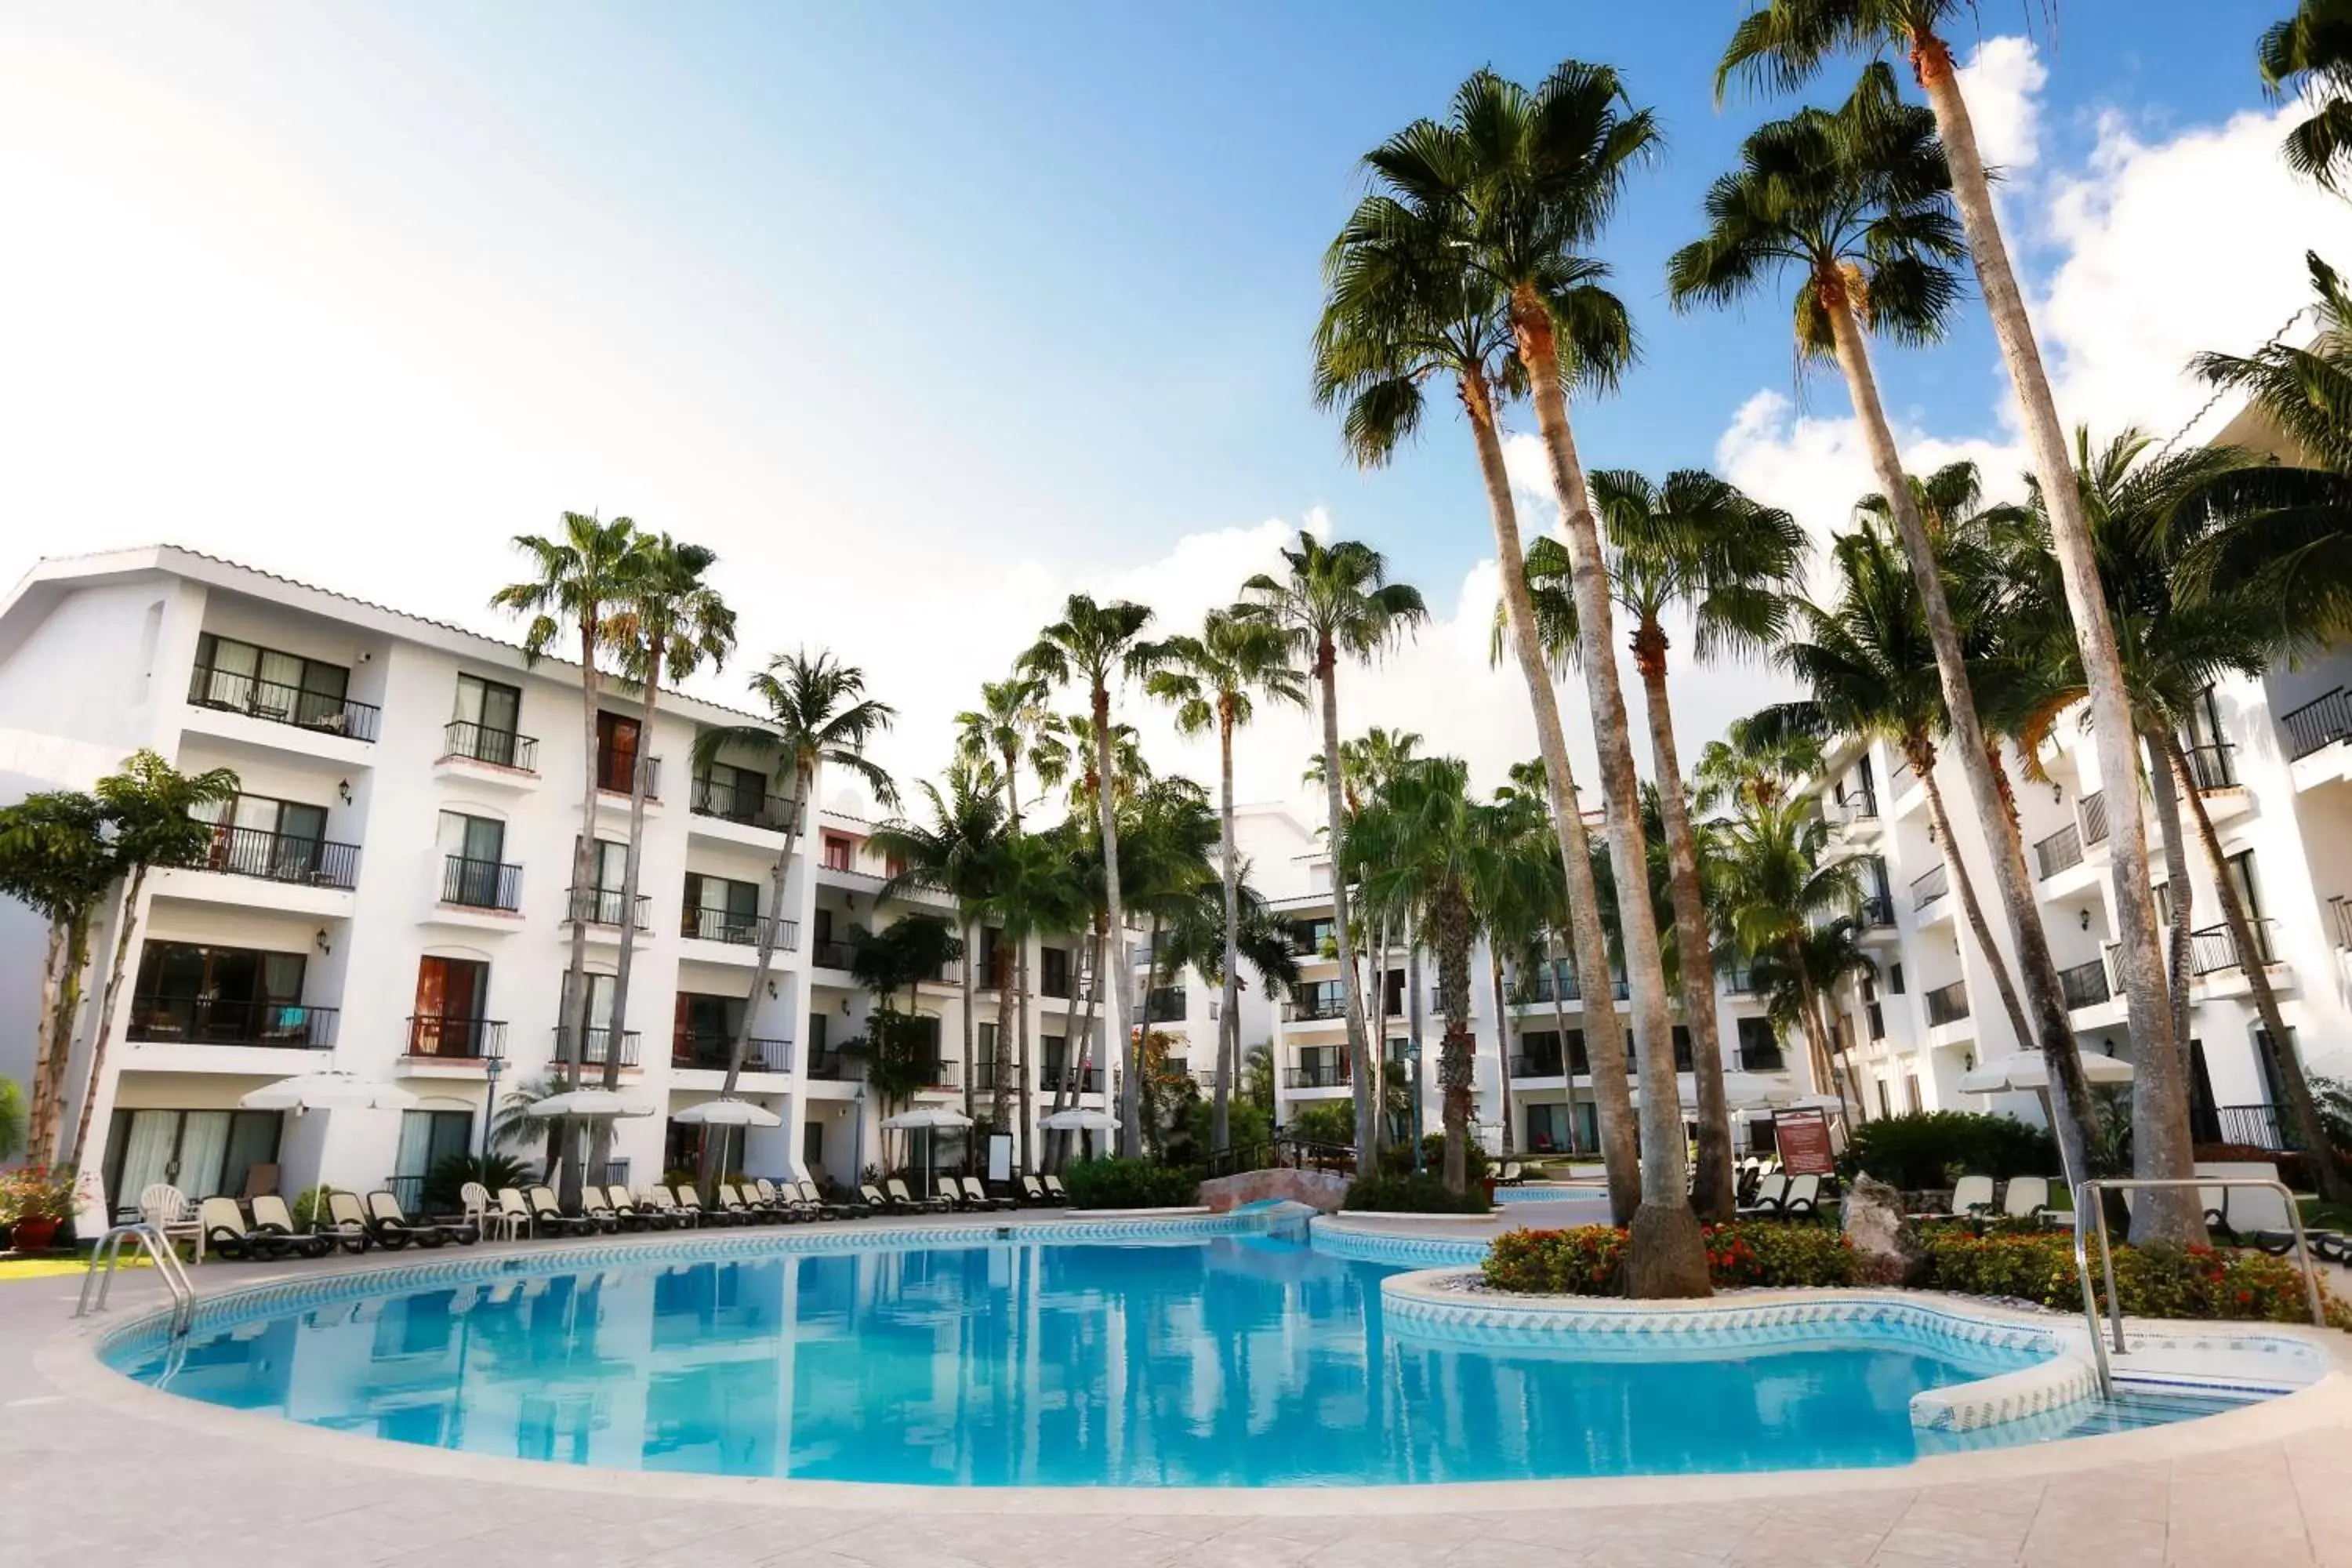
<point>493,1063</point>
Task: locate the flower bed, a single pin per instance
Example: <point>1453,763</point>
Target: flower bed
<point>1589,1260</point>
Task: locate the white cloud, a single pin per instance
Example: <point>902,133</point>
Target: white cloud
<point>2001,82</point>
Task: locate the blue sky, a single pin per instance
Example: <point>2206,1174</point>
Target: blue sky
<point>925,313</point>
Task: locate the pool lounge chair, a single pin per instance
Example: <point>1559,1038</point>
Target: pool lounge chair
<point>1032,1193</point>
<point>226,1233</point>
<point>1513,1175</point>
<point>1769,1192</point>
<point>815,1200</point>
<point>2258,1218</point>
<point>977,1197</point>
<point>657,1200</point>
<point>731,1199</point>
<point>626,1210</point>
<point>598,1210</point>
<point>386,1222</point>
<point>547,1214</point>
<point>2028,1198</point>
<point>901,1198</point>
<point>1972,1197</point>
<point>345,1221</point>
<point>1803,1199</point>
<point>717,1211</point>
<point>785,1200</point>
<point>1054,1188</point>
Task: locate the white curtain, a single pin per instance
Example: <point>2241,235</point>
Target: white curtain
<point>146,1152</point>
<point>415,1143</point>
<point>202,1144</point>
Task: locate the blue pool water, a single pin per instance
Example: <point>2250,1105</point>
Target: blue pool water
<point>1231,1361</point>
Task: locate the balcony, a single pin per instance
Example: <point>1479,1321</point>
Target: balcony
<point>2210,767</point>
<point>602,907</point>
<point>463,741</point>
<point>711,1052</point>
<point>2213,950</point>
<point>596,1044</point>
<point>1926,890</point>
<point>321,712</point>
<point>1314,1006</point>
<point>2085,985</point>
<point>2258,1126</point>
<point>282,858</point>
<point>1947,1004</point>
<point>831,954</point>
<point>1543,1064</point>
<point>831,1066</point>
<point>226,1021</point>
<point>2058,852</point>
<point>1070,1080</point>
<point>612,773</point>
<point>443,1038</point>
<point>746,808</point>
<point>1559,976</point>
<point>1164,1005</point>
<point>480,884</point>
<point>1317,1075</point>
<point>939,1076</point>
<point>2094,818</point>
<point>1858,807</point>
<point>737,930</point>
<point>1876,911</point>
<point>1761,1057</point>
<point>2317,724</point>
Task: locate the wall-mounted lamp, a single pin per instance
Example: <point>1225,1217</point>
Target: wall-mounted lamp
<point>844,1006</point>
<point>322,941</point>
<point>2086,920</point>
<point>344,788</point>
<point>2108,1046</point>
<point>772,990</point>
<point>2057,794</point>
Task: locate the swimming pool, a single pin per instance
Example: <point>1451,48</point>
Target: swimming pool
<point>1224,1360</point>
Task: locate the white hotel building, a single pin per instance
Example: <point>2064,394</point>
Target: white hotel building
<point>389,894</point>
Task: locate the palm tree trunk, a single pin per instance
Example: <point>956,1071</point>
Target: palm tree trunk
<point>126,923</point>
<point>971,1008</point>
<point>770,933</point>
<point>1817,1040</point>
<point>1666,1257</point>
<point>2177,963</point>
<point>1964,888</point>
<point>1711,1183</point>
<point>37,1124</point>
<point>1502,1046</point>
<point>1028,1123</point>
<point>575,974</point>
<point>1228,1021</point>
<point>2163,1144</point>
<point>1066,1092</point>
<point>1456,1063</point>
<point>1414,1023</point>
<point>2069,1098</point>
<point>1021,1010</point>
<point>600,1134</point>
<point>1326,677</point>
<point>1612,1091</point>
<point>2285,1062</point>
<point>1130,1136</point>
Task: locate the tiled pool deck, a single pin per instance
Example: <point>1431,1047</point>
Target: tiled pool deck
<point>94,1471</point>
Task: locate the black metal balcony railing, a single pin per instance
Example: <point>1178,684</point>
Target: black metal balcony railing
<point>283,857</point>
<point>1947,1004</point>
<point>480,884</point>
<point>1070,1080</point>
<point>2320,722</point>
<point>1542,1064</point>
<point>749,808</point>
<point>1307,1006</point>
<point>1761,1059</point>
<point>738,930</point>
<point>498,748</point>
<point>984,1075</point>
<point>1317,1075</point>
<point>1739,983</point>
<point>2085,985</point>
<point>1858,806</point>
<point>830,1066</point>
<point>2210,767</point>
<point>1926,890</point>
<point>2060,850</point>
<point>602,907</point>
<point>460,1039</point>
<point>1164,1005</point>
<point>831,953</point>
<point>2094,818</point>
<point>2339,909</point>
<point>690,1048</point>
<point>2213,948</point>
<point>613,774</point>
<point>941,1074</point>
<point>2260,1126</point>
<point>1559,976</point>
<point>1877,912</point>
<point>596,1043</point>
<point>227,1021</point>
<point>280,704</point>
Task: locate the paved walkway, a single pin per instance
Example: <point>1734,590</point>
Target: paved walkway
<point>217,1490</point>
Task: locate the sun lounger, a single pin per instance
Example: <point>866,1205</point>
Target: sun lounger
<point>659,1201</point>
<point>226,1233</point>
<point>1054,1188</point>
<point>346,1222</point>
<point>1803,1199</point>
<point>2027,1198</point>
<point>977,1197</point>
<point>815,1200</point>
<point>901,1198</point>
<point>785,1200</point>
<point>547,1214</point>
<point>1769,1192</point>
<point>732,1200</point>
<point>1513,1175</point>
<point>632,1215</point>
<point>391,1227</point>
<point>1034,1194</point>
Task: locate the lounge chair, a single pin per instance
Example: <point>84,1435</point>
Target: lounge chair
<point>1054,1188</point>
<point>731,1200</point>
<point>264,1240</point>
<point>658,1202</point>
<point>632,1218</point>
<point>2027,1198</point>
<point>785,1200</point>
<point>346,1222</point>
<point>1803,1199</point>
<point>816,1199</point>
<point>516,1214</point>
<point>1769,1193</point>
<point>978,1197</point>
<point>1032,1193</point>
<point>1513,1175</point>
<point>900,1198</point>
<point>391,1227</point>
<point>484,1216</point>
<point>546,1214</point>
<point>719,1210</point>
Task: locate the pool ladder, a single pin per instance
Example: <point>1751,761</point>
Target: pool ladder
<point>2089,1211</point>
<point>108,1254</point>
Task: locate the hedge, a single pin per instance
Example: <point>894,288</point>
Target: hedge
<point>1396,1158</point>
<point>1130,1185</point>
<point>1414,1194</point>
<point>1924,1149</point>
<point>2153,1281</point>
<point>1588,1260</point>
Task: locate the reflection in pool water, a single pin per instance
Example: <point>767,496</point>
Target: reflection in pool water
<point>1239,1361</point>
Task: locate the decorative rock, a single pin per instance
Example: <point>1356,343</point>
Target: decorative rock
<point>1885,1250</point>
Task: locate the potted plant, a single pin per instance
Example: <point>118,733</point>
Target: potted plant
<point>34,1202</point>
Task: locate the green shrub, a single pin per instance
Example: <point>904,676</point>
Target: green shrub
<point>1932,1148</point>
<point>1250,1123</point>
<point>1325,1122</point>
<point>2154,1282</point>
<point>1589,1259</point>
<point>445,1182</point>
<point>310,1206</point>
<point>1414,1194</point>
<point>1130,1185</point>
<point>1396,1159</point>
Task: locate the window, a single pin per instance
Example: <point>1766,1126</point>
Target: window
<point>1894,978</point>
<point>728,791</point>
<point>284,840</point>
<point>2204,1113</point>
<point>268,684</point>
<point>1393,993</point>
<point>204,1153</point>
<point>426,1138</point>
<point>472,872</point>
<point>1054,972</point>
<point>1164,1005</point>
<point>1682,1047</point>
<point>1546,1129</point>
<point>1759,1045</point>
<point>992,957</point>
<point>451,993</point>
<point>1539,1054</point>
<point>226,995</point>
<point>1763,1136</point>
<point>811,1144</point>
<point>837,853</point>
<point>485,719</point>
<point>616,753</point>
<point>1053,1055</point>
<point>2242,876</point>
<point>718,909</point>
<point>1577,1062</point>
<point>703,1030</point>
<point>1911,1091</point>
<point>1886,1103</point>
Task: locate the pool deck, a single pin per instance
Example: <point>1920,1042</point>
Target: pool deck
<point>97,1471</point>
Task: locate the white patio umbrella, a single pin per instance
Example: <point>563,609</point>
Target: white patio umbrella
<point>586,1104</point>
<point>329,1088</point>
<point>1081,1119</point>
<point>927,1119</point>
<point>2028,1070</point>
<point>724,1113</point>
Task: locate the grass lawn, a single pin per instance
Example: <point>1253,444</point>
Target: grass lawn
<point>2320,1216</point>
<point>52,1267</point>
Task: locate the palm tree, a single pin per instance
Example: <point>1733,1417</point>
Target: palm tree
<point>1780,45</point>
<point>1776,886</point>
<point>1033,889</point>
<point>1215,679</point>
<point>582,579</point>
<point>1755,765</point>
<point>1099,645</point>
<point>670,621</point>
<point>1693,544</point>
<point>1335,600</point>
<point>56,860</point>
<point>2309,56</point>
<point>818,716</point>
<point>1799,981</point>
<point>1423,846</point>
<point>151,808</point>
<point>956,855</point>
<point>1366,763</point>
<point>1858,200</point>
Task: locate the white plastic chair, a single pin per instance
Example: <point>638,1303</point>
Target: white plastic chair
<point>484,1216</point>
<point>167,1208</point>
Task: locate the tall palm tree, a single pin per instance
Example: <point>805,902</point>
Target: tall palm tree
<point>818,716</point>
<point>1335,600</point>
<point>582,579</point>
<point>1100,647</point>
<point>1215,679</point>
<point>1366,762</point>
<point>55,858</point>
<point>956,855</point>
<point>1754,764</point>
<point>1505,194</point>
<point>1693,544</point>
<point>1857,199</point>
<point>2309,56</point>
<point>1780,45</point>
<point>1033,889</point>
<point>1777,887</point>
<point>670,620</point>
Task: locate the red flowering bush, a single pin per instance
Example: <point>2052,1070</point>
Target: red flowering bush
<point>1589,1260</point>
<point>2155,1281</point>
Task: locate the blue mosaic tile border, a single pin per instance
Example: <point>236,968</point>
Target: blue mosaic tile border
<point>2061,1383</point>
<point>1407,1251</point>
<point>279,1297</point>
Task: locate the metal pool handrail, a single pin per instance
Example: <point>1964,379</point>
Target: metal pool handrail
<point>2085,1202</point>
<point>108,1254</point>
